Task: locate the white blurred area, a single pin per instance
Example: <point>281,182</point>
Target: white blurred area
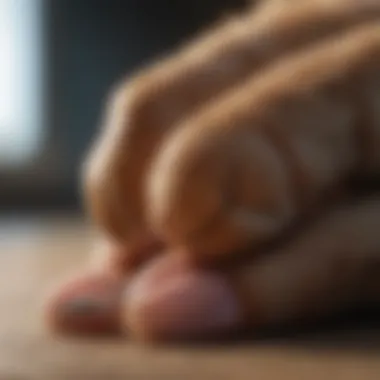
<point>20,81</point>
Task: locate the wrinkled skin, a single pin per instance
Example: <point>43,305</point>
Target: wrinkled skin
<point>222,180</point>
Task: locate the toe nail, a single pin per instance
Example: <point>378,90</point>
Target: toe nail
<point>83,306</point>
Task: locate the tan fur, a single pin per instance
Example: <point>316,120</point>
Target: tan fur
<point>146,108</point>
<point>240,171</point>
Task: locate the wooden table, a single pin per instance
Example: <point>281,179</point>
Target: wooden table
<point>35,252</point>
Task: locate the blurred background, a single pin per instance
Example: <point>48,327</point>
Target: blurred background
<point>58,61</point>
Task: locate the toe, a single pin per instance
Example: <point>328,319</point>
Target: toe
<point>87,305</point>
<point>171,300</point>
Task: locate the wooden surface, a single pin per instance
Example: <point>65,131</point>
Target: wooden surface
<point>35,252</point>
